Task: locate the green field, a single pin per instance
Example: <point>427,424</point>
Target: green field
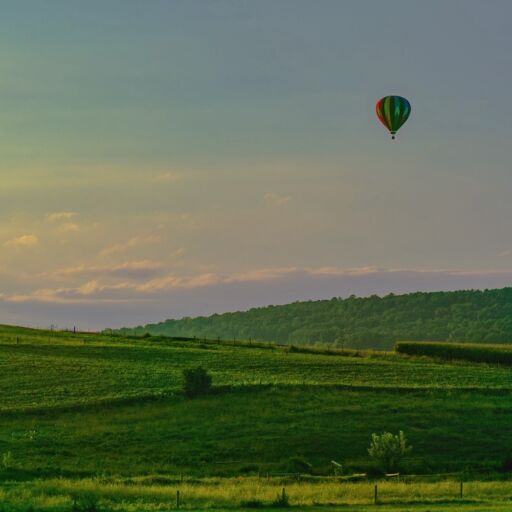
<point>86,413</point>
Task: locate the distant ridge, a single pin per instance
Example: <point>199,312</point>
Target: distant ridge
<point>360,322</point>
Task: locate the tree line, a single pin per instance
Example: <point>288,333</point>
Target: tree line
<point>359,322</point>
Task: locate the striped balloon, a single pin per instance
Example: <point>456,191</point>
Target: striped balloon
<point>392,112</point>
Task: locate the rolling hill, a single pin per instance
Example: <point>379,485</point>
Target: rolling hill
<point>371,322</point>
<point>92,413</point>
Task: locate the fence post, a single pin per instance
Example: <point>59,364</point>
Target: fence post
<point>283,495</point>
<point>461,488</point>
<point>177,499</point>
<point>375,496</point>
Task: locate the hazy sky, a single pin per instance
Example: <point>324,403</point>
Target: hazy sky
<point>170,158</point>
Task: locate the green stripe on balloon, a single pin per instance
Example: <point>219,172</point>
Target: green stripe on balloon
<point>387,111</point>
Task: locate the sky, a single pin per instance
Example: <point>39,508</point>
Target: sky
<point>182,157</point>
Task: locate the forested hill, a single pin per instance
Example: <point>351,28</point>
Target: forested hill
<point>370,322</point>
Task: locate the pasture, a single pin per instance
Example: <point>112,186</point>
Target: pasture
<point>43,369</point>
<point>94,413</point>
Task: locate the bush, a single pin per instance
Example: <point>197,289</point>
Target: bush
<point>197,381</point>
<point>388,450</point>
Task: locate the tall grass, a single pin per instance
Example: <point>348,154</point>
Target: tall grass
<point>231,493</point>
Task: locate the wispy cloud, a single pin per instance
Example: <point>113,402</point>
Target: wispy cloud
<point>60,216</point>
<point>135,281</point>
<point>262,274</point>
<point>142,269</point>
<point>133,242</point>
<point>69,227</point>
<point>23,241</point>
<point>89,292</point>
<point>142,291</point>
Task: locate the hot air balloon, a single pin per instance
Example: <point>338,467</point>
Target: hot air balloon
<point>392,112</point>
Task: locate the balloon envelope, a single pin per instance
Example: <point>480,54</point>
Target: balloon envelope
<point>393,112</point>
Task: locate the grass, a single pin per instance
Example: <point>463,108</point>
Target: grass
<point>83,412</point>
<point>53,370</point>
<point>253,430</point>
<point>233,493</point>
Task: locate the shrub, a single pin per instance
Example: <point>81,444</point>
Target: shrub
<point>388,450</point>
<point>197,381</point>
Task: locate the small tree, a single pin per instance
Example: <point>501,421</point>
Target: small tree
<point>197,381</point>
<point>388,450</point>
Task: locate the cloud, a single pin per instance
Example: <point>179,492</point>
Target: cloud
<point>89,292</point>
<point>134,283</point>
<point>59,216</point>
<point>276,199</point>
<point>336,271</point>
<point>142,269</point>
<point>69,227</point>
<point>23,241</point>
<point>135,241</point>
<point>263,274</point>
<point>174,282</point>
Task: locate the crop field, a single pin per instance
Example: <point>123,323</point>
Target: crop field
<point>87,413</point>
<point>480,353</point>
<point>45,369</point>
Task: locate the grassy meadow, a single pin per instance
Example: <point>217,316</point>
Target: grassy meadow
<point>87,414</point>
<point>250,492</point>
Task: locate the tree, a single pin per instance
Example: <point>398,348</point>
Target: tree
<point>388,450</point>
<point>371,322</point>
<point>197,381</point>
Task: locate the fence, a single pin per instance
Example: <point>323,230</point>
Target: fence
<point>338,492</point>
